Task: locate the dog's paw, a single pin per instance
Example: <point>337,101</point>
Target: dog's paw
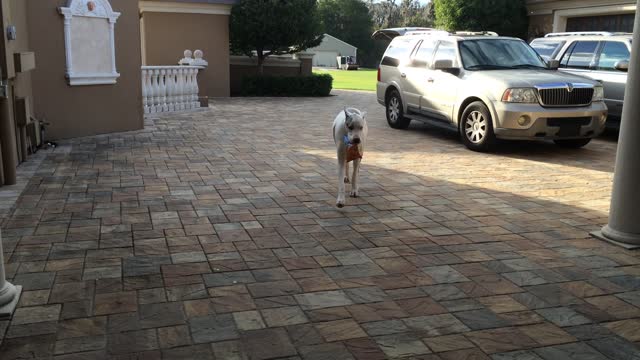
<point>354,193</point>
<point>346,180</point>
<point>340,201</point>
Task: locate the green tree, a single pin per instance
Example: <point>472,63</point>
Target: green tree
<point>506,17</point>
<point>349,21</point>
<point>274,27</point>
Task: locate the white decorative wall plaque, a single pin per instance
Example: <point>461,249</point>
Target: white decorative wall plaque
<point>89,42</point>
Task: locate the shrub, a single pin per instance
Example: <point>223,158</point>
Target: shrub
<point>262,85</point>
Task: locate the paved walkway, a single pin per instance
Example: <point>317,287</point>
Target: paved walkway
<point>214,235</point>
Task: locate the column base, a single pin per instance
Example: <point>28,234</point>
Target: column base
<point>625,240</point>
<point>6,310</point>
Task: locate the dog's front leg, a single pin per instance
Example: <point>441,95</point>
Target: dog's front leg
<point>355,181</point>
<point>346,172</point>
<point>341,176</point>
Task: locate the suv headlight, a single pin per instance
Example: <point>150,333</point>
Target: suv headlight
<point>598,94</point>
<point>520,95</point>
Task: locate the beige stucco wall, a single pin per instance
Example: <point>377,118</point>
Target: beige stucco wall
<point>167,35</point>
<point>84,110</point>
<point>539,25</point>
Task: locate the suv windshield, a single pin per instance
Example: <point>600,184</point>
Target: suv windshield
<point>495,54</point>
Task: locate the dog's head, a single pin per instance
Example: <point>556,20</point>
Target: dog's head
<point>354,122</point>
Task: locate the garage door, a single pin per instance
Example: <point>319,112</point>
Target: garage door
<point>622,23</point>
<point>325,59</point>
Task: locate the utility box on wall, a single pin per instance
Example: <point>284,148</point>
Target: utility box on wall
<point>90,42</point>
<point>24,61</point>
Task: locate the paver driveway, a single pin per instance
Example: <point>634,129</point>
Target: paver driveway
<point>214,235</point>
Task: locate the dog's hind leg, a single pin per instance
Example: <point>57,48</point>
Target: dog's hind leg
<point>355,179</point>
<point>346,173</point>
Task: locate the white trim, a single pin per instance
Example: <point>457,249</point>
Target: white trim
<point>560,17</point>
<point>184,8</point>
<point>101,9</point>
<point>92,79</point>
<point>346,43</point>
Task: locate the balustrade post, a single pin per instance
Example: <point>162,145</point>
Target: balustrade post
<point>145,92</point>
<point>196,89</point>
<point>181,87</point>
<point>163,90</point>
<point>171,85</point>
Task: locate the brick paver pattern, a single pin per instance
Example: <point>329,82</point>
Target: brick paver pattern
<point>214,235</point>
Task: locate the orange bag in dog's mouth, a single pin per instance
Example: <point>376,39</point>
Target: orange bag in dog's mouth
<point>353,152</point>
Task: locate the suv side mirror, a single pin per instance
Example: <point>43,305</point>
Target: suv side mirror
<point>446,66</point>
<point>553,64</point>
<point>622,65</point>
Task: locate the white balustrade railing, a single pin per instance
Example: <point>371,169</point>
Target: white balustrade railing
<point>170,88</point>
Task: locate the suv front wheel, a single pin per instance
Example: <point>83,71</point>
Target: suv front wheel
<point>476,127</point>
<point>395,111</point>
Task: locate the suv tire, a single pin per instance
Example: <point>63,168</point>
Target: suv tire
<point>395,111</point>
<point>572,143</point>
<point>476,127</point>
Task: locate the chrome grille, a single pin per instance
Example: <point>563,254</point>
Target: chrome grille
<point>561,96</point>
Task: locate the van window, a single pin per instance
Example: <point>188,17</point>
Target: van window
<point>612,52</point>
<point>580,55</point>
<point>446,51</point>
<point>398,50</point>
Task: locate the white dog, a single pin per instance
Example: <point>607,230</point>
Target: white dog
<point>350,135</point>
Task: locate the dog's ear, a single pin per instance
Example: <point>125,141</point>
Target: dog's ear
<point>347,117</point>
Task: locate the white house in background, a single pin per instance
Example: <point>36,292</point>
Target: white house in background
<point>327,52</point>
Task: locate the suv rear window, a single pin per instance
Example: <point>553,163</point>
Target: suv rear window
<point>612,52</point>
<point>398,49</point>
<point>546,48</point>
<point>580,55</point>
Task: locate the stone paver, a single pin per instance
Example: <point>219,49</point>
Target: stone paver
<point>214,235</point>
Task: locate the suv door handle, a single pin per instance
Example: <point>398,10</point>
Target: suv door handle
<point>430,80</point>
<point>403,75</point>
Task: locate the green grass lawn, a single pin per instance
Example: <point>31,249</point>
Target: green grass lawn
<point>361,79</point>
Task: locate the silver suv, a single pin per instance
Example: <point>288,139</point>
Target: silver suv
<point>601,56</point>
<point>486,87</point>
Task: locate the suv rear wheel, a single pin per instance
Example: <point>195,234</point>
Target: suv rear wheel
<point>476,127</point>
<point>395,111</point>
<point>572,143</point>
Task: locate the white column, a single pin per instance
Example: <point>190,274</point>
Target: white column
<point>9,294</point>
<point>624,215</point>
<point>112,43</point>
<point>67,37</point>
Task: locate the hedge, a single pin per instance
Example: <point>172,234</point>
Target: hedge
<point>264,85</point>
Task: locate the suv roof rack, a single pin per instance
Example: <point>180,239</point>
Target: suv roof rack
<point>586,33</point>
<point>475,33</point>
<point>389,34</point>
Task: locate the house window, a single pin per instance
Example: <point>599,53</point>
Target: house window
<point>613,23</point>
